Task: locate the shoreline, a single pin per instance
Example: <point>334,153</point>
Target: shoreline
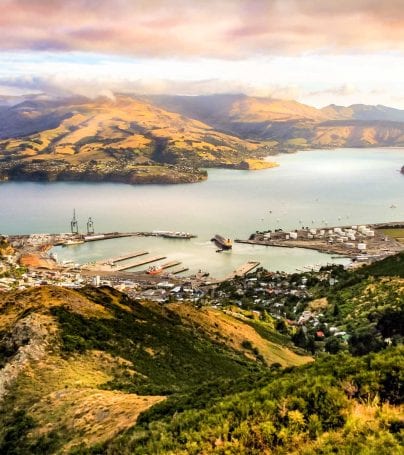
<point>365,242</point>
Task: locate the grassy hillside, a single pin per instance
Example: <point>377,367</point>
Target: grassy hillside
<point>92,136</point>
<point>78,367</point>
<point>164,139</point>
<point>287,124</point>
<point>338,405</point>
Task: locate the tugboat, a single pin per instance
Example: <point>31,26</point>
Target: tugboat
<point>222,242</point>
<point>154,270</point>
<point>73,242</point>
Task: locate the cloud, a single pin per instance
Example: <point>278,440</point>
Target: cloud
<point>59,86</point>
<point>228,29</point>
<point>341,90</point>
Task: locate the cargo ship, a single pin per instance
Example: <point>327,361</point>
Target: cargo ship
<point>222,242</point>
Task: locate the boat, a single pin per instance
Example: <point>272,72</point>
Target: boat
<point>178,235</point>
<point>222,242</point>
<point>73,242</point>
<point>154,270</point>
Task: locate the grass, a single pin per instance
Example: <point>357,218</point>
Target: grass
<point>397,234</point>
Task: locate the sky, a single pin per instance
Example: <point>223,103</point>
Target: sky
<point>316,51</point>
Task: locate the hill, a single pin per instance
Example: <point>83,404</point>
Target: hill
<point>167,139</point>
<point>77,367</point>
<point>91,372</point>
<point>124,139</point>
<point>289,124</point>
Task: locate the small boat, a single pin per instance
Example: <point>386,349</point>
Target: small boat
<point>154,270</point>
<point>73,242</point>
<point>392,206</point>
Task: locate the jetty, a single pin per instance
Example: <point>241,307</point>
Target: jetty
<point>124,257</point>
<point>168,265</point>
<point>243,269</point>
<point>133,264</point>
<point>181,270</point>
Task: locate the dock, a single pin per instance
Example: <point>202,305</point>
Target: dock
<point>131,265</point>
<point>374,241</point>
<point>114,260</point>
<point>181,270</point>
<point>168,265</point>
<point>243,269</point>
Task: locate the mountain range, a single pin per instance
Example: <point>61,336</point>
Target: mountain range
<point>142,139</point>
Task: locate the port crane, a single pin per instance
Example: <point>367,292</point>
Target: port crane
<point>90,226</point>
<point>74,225</point>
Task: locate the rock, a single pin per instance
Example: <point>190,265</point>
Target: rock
<point>27,341</point>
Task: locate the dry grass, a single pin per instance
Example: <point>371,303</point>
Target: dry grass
<point>233,332</point>
<point>90,416</point>
<point>97,124</point>
<point>318,305</point>
<point>12,304</point>
<point>397,234</point>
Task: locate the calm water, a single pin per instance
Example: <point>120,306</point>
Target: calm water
<point>346,186</point>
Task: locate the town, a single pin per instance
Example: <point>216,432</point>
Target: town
<point>250,292</point>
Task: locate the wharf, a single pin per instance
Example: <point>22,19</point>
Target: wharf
<point>181,270</point>
<point>243,269</point>
<point>168,265</point>
<point>117,235</point>
<point>356,242</point>
<point>114,260</point>
<point>131,265</point>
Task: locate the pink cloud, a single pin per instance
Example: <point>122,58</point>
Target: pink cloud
<point>187,28</point>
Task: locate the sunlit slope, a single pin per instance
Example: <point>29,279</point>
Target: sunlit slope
<point>127,127</point>
<point>285,124</point>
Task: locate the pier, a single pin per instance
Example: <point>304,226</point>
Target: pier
<point>131,265</point>
<point>181,270</point>
<point>243,269</point>
<point>168,265</point>
<point>114,260</point>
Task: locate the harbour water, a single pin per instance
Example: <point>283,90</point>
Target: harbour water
<point>312,188</point>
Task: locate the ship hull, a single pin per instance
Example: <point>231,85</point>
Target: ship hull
<point>222,243</point>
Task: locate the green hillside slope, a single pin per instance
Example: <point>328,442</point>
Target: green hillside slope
<point>77,367</point>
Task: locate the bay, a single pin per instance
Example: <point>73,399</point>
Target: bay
<point>311,188</point>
